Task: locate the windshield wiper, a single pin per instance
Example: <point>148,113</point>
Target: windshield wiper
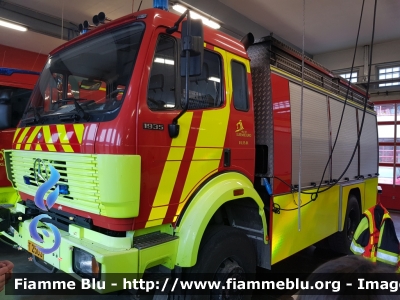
<point>37,118</point>
<point>81,113</point>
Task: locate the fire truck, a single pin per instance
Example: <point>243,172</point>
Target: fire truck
<point>178,148</point>
<point>17,79</point>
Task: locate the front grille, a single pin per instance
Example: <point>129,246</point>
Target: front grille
<point>78,171</point>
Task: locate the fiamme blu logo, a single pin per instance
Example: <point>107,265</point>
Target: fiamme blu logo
<point>41,172</point>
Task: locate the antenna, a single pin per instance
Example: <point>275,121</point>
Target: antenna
<point>140,5</point>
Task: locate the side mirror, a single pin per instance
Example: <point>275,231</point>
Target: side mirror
<point>5,116</point>
<point>5,109</point>
<point>193,41</point>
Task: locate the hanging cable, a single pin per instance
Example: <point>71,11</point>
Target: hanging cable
<point>140,5</point>
<point>365,105</point>
<point>341,117</point>
<point>314,195</point>
<point>62,21</point>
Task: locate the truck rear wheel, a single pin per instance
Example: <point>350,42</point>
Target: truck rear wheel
<point>340,241</point>
<point>225,252</point>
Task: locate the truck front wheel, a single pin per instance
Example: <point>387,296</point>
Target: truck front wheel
<point>225,252</point>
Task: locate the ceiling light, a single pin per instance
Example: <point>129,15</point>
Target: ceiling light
<point>216,79</point>
<point>164,61</point>
<point>12,26</point>
<point>181,9</point>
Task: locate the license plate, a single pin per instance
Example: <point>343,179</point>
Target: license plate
<point>32,248</point>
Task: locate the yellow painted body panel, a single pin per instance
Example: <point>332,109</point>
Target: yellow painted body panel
<point>206,202</point>
<point>116,255</point>
<point>370,193</point>
<point>103,184</point>
<point>319,219</point>
<point>8,195</point>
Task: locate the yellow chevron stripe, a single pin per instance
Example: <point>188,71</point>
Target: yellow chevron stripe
<point>31,138</point>
<point>16,134</point>
<point>38,147</point>
<point>48,139</point>
<point>64,139</point>
<point>79,129</point>
<point>170,173</point>
<point>33,134</point>
<point>21,138</point>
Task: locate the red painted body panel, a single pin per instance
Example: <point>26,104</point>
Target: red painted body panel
<point>6,137</point>
<point>282,134</point>
<point>242,143</point>
<point>25,81</point>
<point>14,58</point>
<point>390,196</point>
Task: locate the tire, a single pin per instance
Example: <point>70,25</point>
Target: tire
<point>225,252</point>
<point>340,241</point>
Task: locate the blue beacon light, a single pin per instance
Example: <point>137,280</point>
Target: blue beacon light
<point>161,4</point>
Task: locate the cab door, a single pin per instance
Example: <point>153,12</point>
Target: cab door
<point>173,167</point>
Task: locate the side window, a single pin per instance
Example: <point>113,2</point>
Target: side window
<point>239,84</point>
<point>161,89</point>
<point>205,91</point>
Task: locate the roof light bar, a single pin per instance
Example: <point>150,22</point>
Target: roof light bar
<point>12,26</point>
<point>181,9</point>
<point>161,4</point>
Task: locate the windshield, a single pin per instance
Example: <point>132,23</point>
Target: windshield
<point>87,81</point>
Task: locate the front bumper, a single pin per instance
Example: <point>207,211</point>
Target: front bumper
<point>115,254</point>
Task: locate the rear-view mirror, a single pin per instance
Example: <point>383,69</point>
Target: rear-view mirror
<point>90,85</point>
<point>193,41</point>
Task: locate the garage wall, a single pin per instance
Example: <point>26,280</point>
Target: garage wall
<point>383,54</point>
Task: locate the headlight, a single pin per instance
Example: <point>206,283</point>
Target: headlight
<point>85,264</point>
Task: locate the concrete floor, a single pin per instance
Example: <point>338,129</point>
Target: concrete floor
<point>304,262</point>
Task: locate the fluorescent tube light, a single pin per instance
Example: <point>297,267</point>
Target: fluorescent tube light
<point>12,26</point>
<point>216,79</point>
<point>181,9</point>
<point>164,61</point>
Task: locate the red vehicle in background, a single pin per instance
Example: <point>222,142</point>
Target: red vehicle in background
<point>18,75</point>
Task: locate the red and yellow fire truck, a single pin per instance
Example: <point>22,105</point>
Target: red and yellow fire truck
<point>189,172</point>
<point>18,75</point>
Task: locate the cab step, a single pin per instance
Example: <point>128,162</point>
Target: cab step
<point>152,239</point>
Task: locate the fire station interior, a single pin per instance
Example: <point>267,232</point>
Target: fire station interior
<point>326,32</point>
